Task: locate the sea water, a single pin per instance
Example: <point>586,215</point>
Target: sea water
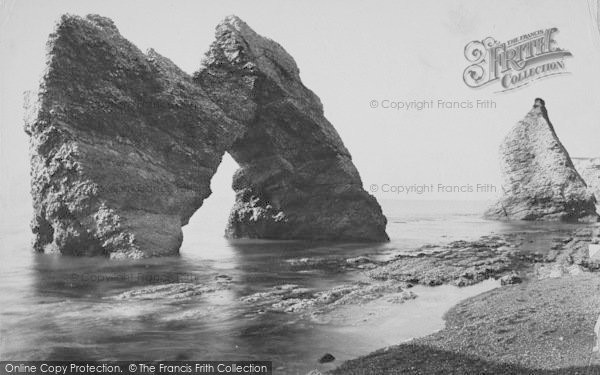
<point>65,308</point>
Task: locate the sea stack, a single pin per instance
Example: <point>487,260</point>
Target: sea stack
<point>540,181</point>
<point>296,177</point>
<point>124,144</point>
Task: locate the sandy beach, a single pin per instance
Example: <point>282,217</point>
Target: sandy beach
<point>544,325</point>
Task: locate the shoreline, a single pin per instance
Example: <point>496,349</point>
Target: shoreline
<point>394,277</point>
<point>544,325</point>
<point>538,327</point>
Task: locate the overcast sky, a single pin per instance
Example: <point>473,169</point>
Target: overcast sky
<point>349,53</point>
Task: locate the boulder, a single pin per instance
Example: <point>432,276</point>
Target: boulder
<point>511,278</point>
<point>540,181</point>
<point>326,358</point>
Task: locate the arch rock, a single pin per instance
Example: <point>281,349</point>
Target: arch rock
<point>124,144</point>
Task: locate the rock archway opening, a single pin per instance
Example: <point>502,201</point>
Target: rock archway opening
<point>127,148</point>
<point>207,225</point>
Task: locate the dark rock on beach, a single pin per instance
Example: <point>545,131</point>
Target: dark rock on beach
<point>540,180</point>
<point>124,145</point>
<point>291,298</point>
<point>503,257</point>
<point>511,278</point>
<point>459,263</point>
<point>326,358</point>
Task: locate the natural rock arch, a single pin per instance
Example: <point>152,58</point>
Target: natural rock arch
<point>124,144</point>
<point>297,179</point>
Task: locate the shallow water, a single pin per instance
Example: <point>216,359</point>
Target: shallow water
<point>190,307</point>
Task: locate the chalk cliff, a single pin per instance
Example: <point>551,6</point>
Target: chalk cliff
<point>124,144</point>
<point>539,179</point>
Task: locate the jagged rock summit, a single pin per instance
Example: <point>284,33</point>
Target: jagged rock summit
<point>296,178</point>
<point>124,145</point>
<point>540,181</point>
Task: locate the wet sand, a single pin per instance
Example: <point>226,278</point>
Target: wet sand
<point>539,327</point>
<point>543,326</point>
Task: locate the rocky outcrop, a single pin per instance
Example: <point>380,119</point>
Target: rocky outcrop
<point>124,144</point>
<point>539,179</point>
<point>296,178</point>
<point>589,170</point>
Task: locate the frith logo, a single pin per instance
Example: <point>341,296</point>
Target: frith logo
<point>515,63</point>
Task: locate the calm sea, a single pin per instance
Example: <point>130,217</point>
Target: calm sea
<point>62,308</point>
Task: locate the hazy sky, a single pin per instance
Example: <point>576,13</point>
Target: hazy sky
<point>349,53</point>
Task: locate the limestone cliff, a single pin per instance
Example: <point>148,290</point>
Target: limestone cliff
<point>124,144</point>
<point>296,178</point>
<point>539,179</point>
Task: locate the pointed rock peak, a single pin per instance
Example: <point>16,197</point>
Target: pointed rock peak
<point>235,27</point>
<point>102,22</point>
<point>235,22</point>
<point>241,45</point>
<point>539,179</point>
<point>539,107</point>
<point>69,22</point>
<point>539,110</point>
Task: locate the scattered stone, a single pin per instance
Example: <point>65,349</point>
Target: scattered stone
<point>575,270</point>
<point>356,261</point>
<point>277,293</point>
<point>317,263</point>
<point>511,278</point>
<point>594,251</point>
<point>291,298</point>
<point>460,263</point>
<point>169,291</point>
<point>327,358</point>
<point>223,278</point>
<point>402,297</point>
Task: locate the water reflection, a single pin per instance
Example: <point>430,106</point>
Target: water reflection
<point>189,307</point>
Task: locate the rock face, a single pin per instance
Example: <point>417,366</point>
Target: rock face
<point>124,144</point>
<point>296,178</point>
<point>589,170</point>
<point>539,179</point>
